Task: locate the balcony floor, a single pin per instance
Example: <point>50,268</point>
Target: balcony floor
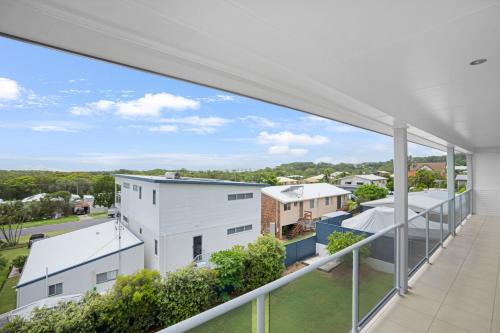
<point>457,293</point>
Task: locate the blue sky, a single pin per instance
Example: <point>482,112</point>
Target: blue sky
<point>65,112</point>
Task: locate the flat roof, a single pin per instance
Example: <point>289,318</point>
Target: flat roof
<point>61,253</point>
<point>292,193</point>
<point>187,180</point>
<point>367,177</point>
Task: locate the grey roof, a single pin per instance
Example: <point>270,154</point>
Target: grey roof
<point>187,180</point>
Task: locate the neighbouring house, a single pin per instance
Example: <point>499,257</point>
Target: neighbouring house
<point>286,181</point>
<point>315,179</point>
<point>79,261</point>
<point>288,207</point>
<point>354,181</point>
<point>461,180</point>
<point>186,219</point>
<point>417,201</point>
<point>438,167</point>
<point>382,173</point>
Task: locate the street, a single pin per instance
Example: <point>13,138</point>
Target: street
<point>83,223</point>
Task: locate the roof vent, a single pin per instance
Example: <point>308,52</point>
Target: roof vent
<point>172,175</point>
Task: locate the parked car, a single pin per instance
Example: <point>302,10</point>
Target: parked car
<point>35,238</point>
<point>112,212</point>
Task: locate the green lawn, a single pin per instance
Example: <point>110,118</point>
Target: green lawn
<point>299,237</point>
<point>24,239</point>
<point>60,220</point>
<point>8,295</point>
<point>98,215</point>
<point>316,302</point>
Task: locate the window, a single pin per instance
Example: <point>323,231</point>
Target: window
<point>140,231</point>
<point>154,197</point>
<point>156,247</point>
<point>359,183</point>
<point>126,185</point>
<point>106,276</point>
<point>339,202</point>
<point>125,218</point>
<point>140,192</point>
<point>135,188</point>
<point>327,201</point>
<point>311,203</point>
<point>235,230</point>
<point>348,183</point>
<point>55,289</point>
<point>287,206</point>
<point>295,204</point>
<point>239,196</point>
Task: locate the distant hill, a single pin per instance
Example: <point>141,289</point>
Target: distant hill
<point>18,184</point>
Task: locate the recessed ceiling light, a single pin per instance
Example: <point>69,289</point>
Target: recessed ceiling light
<point>477,62</point>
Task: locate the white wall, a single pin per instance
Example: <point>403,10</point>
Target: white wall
<point>486,183</point>
<point>142,214</point>
<point>178,248</point>
<point>83,278</point>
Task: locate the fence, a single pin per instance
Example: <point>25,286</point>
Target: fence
<point>358,307</point>
<point>300,250</point>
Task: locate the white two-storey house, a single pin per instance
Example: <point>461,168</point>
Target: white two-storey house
<point>186,219</point>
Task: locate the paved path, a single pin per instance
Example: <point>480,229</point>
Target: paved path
<point>83,223</point>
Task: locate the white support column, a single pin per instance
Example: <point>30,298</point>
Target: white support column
<point>450,180</point>
<point>469,180</point>
<point>401,205</point>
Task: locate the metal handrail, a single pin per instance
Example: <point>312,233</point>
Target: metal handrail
<point>251,295</point>
<point>259,293</point>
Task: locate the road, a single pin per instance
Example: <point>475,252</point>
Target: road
<point>83,223</point>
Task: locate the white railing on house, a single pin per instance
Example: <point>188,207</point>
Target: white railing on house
<point>449,215</point>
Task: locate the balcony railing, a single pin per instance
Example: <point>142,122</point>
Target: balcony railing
<point>343,299</point>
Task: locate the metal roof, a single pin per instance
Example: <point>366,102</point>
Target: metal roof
<point>183,180</point>
<point>292,193</point>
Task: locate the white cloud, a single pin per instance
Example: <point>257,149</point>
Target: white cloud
<point>286,138</point>
<point>151,105</point>
<point>198,121</point>
<point>75,91</point>
<point>9,89</point>
<point>285,150</point>
<point>258,121</point>
<point>164,129</point>
<point>76,80</point>
<point>46,126</point>
<point>217,98</point>
<point>93,108</point>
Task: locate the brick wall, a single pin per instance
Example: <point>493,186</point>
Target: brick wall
<point>269,212</point>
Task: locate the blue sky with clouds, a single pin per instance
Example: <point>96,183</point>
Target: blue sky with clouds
<point>65,112</point>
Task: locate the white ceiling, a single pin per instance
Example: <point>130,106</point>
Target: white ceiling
<point>368,63</point>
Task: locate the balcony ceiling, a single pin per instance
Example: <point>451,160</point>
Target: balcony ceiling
<point>367,63</point>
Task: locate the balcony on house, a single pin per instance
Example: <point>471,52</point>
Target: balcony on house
<point>423,72</point>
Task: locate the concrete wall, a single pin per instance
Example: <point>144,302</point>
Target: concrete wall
<point>486,183</point>
<point>82,278</point>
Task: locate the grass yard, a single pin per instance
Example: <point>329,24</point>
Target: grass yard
<point>24,239</point>
<point>8,295</point>
<point>316,302</point>
<point>60,220</point>
<point>99,215</point>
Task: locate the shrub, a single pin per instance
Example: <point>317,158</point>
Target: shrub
<point>132,303</point>
<point>230,267</point>
<point>340,240</point>
<point>19,262</point>
<point>265,261</point>
<point>185,293</point>
<point>370,192</point>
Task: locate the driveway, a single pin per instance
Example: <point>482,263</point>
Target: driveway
<point>84,222</point>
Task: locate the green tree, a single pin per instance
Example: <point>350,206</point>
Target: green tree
<point>104,191</point>
<point>12,216</point>
<point>265,261</point>
<point>390,184</point>
<point>22,187</point>
<point>425,178</point>
<point>370,192</point>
